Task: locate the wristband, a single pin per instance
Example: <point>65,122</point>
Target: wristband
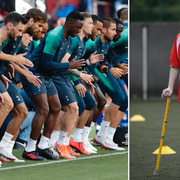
<point>88,62</point>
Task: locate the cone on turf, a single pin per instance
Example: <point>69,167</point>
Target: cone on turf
<point>165,150</point>
<point>137,117</point>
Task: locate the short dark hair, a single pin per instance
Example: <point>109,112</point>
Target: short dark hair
<point>36,14</point>
<point>96,18</point>
<point>107,22</point>
<point>74,15</point>
<point>123,14</point>
<point>15,18</point>
<point>117,21</point>
<point>29,31</point>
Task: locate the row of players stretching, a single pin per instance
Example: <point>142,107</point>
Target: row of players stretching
<point>72,68</point>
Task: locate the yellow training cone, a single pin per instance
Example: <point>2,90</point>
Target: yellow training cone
<point>137,118</point>
<point>165,150</point>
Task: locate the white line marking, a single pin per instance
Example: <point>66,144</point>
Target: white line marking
<point>59,161</point>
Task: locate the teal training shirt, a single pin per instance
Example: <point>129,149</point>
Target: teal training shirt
<point>45,56</point>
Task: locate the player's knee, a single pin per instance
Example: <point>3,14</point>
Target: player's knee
<point>8,104</point>
<point>24,112</point>
<point>101,103</point>
<point>20,111</point>
<point>90,104</point>
<point>43,110</point>
<point>74,108</point>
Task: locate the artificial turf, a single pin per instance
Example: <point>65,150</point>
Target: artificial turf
<point>98,168</point>
<point>145,139</point>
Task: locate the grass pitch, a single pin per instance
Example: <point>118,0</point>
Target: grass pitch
<point>106,164</point>
<point>145,139</point>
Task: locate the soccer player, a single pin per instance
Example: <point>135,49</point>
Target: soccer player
<point>35,20</point>
<point>107,83</point>
<point>78,50</point>
<point>45,97</point>
<point>100,98</point>
<point>12,29</point>
<point>26,39</point>
<point>113,56</point>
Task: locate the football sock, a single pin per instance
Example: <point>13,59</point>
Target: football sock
<point>31,146</point>
<point>77,134</point>
<point>10,146</point>
<point>86,132</point>
<point>54,137</point>
<point>43,143</point>
<point>62,137</point>
<point>103,129</point>
<point>6,139</point>
<point>111,132</point>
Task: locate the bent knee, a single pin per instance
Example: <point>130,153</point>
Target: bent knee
<point>8,103</point>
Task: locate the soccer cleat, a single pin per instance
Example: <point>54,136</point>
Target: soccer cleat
<point>4,159</point>
<point>46,153</point>
<point>70,151</point>
<point>79,146</point>
<point>90,146</point>
<point>33,155</point>
<point>54,152</point>
<point>63,151</point>
<point>104,142</point>
<point>88,149</point>
<point>6,154</point>
<point>117,147</point>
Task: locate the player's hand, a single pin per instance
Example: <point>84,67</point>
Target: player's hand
<point>1,99</point>
<point>22,61</point>
<point>116,72</point>
<point>124,67</point>
<point>166,92</point>
<point>73,64</point>
<point>10,70</point>
<point>33,78</point>
<point>81,89</point>
<point>95,79</point>
<point>87,78</point>
<point>103,68</point>
<point>5,81</point>
<point>95,58</point>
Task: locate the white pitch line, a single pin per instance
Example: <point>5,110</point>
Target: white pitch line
<point>59,161</point>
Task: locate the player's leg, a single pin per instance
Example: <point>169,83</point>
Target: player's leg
<point>54,109</point>
<point>19,114</point>
<point>70,107</point>
<point>7,106</point>
<point>117,119</point>
<point>109,85</point>
<point>77,136</point>
<point>38,96</point>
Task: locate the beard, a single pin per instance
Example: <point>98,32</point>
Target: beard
<point>11,35</point>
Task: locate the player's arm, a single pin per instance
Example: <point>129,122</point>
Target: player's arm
<point>27,74</point>
<point>173,73</point>
<point>18,59</point>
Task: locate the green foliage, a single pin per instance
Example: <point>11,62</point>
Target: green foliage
<point>154,10</point>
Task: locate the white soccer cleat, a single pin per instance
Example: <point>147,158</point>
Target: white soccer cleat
<point>4,159</point>
<point>105,142</point>
<point>87,148</point>
<point>6,153</point>
<point>117,147</point>
<point>90,146</point>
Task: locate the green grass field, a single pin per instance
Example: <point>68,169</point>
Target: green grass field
<point>145,139</point>
<point>106,164</point>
